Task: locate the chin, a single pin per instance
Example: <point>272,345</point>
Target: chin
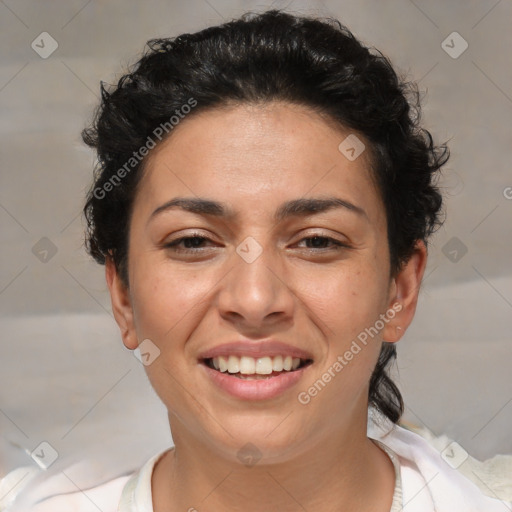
<point>269,440</point>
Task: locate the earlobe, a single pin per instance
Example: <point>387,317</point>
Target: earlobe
<point>121,304</point>
<point>404,291</point>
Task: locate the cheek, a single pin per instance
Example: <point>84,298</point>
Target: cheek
<point>167,304</point>
<point>345,301</point>
<point>347,304</point>
<point>164,300</point>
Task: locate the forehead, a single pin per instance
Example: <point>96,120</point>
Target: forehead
<point>257,155</point>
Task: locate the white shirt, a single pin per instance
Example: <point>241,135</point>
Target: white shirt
<point>426,480</point>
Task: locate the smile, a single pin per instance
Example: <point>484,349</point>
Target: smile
<point>251,378</point>
<point>247,367</point>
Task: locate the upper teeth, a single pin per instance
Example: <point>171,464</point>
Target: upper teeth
<point>249,365</point>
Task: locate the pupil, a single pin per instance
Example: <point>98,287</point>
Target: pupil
<point>194,241</point>
<point>317,241</point>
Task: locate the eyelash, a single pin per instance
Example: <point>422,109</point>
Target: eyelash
<point>337,245</point>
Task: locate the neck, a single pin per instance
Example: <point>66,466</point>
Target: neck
<point>346,472</point>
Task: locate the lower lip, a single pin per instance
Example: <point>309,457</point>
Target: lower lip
<point>258,389</point>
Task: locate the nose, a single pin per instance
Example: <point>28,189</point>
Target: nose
<point>256,294</point>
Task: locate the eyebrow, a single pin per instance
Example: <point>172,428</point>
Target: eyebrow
<point>295,208</point>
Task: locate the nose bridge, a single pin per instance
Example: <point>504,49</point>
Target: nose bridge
<point>255,288</point>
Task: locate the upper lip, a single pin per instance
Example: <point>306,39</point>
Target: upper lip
<point>255,349</point>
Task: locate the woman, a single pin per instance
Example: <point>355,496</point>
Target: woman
<point>262,205</point>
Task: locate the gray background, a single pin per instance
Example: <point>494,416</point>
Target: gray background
<point>65,377</point>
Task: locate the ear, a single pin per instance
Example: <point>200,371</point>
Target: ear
<point>121,305</point>
<point>403,294</point>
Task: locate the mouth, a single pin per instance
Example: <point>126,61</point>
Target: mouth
<point>260,368</point>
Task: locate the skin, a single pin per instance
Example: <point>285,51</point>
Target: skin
<point>253,158</point>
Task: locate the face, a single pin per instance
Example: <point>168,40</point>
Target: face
<point>289,257</point>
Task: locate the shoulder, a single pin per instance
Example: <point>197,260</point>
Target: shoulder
<point>103,497</point>
<point>439,471</point>
<point>125,493</point>
<point>27,489</point>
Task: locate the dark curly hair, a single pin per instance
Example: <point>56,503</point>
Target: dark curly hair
<point>259,58</point>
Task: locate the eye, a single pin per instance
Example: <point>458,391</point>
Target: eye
<point>197,243</point>
<point>188,244</point>
<point>319,242</point>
